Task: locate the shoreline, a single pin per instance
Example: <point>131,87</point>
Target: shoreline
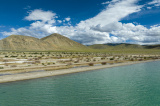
<point>28,76</point>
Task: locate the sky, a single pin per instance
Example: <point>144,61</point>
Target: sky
<point>85,21</point>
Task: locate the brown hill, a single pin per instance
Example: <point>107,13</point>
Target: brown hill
<point>58,41</point>
<point>27,43</point>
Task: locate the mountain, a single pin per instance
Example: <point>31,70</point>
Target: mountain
<point>20,42</point>
<point>99,46</point>
<point>116,46</point>
<point>51,42</point>
<point>152,46</point>
<point>58,41</point>
<point>130,46</point>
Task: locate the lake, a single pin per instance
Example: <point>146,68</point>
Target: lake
<point>132,85</point>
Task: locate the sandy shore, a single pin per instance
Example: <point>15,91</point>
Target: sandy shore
<point>26,76</point>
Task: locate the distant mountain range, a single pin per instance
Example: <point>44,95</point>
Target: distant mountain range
<point>58,42</point>
<point>51,42</point>
<point>123,46</point>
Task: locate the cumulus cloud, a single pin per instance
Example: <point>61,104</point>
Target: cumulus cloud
<point>108,20</point>
<point>105,27</point>
<point>43,24</point>
<point>139,33</point>
<point>39,14</point>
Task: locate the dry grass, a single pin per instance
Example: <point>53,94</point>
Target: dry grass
<point>60,60</point>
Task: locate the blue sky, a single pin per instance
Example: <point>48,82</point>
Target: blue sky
<point>13,12</point>
<point>85,21</point>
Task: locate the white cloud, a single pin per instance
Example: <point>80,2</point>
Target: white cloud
<point>109,27</point>
<point>155,3</point>
<point>39,14</point>
<point>59,21</point>
<point>149,7</point>
<point>111,2</point>
<point>68,19</point>
<point>107,2</point>
<point>139,33</point>
<point>112,14</point>
<point>105,27</point>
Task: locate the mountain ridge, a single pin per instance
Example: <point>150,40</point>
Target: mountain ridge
<point>52,42</point>
<point>123,46</point>
<point>59,42</point>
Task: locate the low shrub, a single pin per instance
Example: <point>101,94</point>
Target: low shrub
<point>68,64</point>
<point>1,67</point>
<point>111,58</point>
<point>13,65</point>
<point>91,64</point>
<point>103,63</point>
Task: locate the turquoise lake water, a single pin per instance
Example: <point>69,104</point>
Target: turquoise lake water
<point>133,85</point>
